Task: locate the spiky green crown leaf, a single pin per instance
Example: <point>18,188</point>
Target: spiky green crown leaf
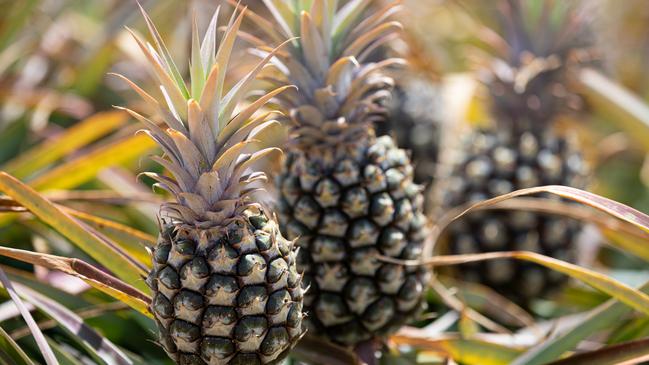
<point>541,43</point>
<point>338,95</point>
<point>208,147</point>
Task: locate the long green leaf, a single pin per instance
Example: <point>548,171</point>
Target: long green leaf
<point>626,237</point>
<point>64,357</point>
<point>634,352</point>
<point>488,301</point>
<point>88,273</point>
<point>43,346</point>
<point>618,210</point>
<point>614,288</point>
<point>465,351</point>
<point>97,345</point>
<point>69,295</point>
<point>10,352</point>
<point>99,248</point>
<point>599,319</point>
<point>133,241</point>
<point>85,313</point>
<point>630,330</point>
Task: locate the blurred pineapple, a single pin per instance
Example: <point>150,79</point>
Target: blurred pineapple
<point>415,108</point>
<point>528,82</point>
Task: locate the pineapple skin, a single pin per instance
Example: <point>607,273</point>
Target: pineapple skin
<point>345,207</point>
<point>226,295</point>
<point>498,162</point>
<point>415,122</point>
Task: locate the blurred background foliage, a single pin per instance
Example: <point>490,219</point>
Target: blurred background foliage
<point>60,134</point>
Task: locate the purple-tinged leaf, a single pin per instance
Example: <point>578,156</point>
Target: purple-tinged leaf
<point>43,346</point>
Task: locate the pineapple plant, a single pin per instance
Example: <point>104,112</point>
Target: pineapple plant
<point>345,195</point>
<point>528,89</point>
<point>225,285</point>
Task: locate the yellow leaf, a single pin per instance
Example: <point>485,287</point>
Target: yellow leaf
<point>98,247</point>
<point>133,241</point>
<point>72,139</point>
<point>88,273</point>
<point>622,292</point>
<point>84,168</point>
<point>465,351</point>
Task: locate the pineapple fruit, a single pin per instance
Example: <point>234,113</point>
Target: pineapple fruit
<point>225,285</point>
<point>529,91</point>
<point>347,196</point>
<point>415,122</point>
<point>416,109</point>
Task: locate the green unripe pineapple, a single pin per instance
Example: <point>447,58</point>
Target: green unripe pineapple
<point>345,212</point>
<point>347,196</point>
<point>225,285</point>
<point>415,122</point>
<point>498,162</point>
<point>529,89</point>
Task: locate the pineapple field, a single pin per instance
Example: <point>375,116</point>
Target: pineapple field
<point>324,182</point>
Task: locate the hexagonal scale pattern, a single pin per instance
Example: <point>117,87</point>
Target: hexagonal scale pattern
<point>227,295</point>
<point>345,212</point>
<point>498,162</point>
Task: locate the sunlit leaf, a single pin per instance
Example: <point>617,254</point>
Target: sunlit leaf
<point>623,236</point>
<point>88,273</point>
<point>618,210</point>
<point>633,352</point>
<point>99,248</point>
<point>130,239</point>
<point>71,140</point>
<point>85,167</point>
<point>614,288</point>
<point>598,319</point>
<point>627,243</point>
<point>465,351</point>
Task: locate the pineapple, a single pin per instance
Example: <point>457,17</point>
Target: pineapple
<point>225,285</point>
<point>415,122</point>
<point>416,110</point>
<point>529,91</point>
<point>347,196</point>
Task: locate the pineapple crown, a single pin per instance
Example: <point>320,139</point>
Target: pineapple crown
<point>209,148</point>
<point>541,44</point>
<point>337,96</point>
